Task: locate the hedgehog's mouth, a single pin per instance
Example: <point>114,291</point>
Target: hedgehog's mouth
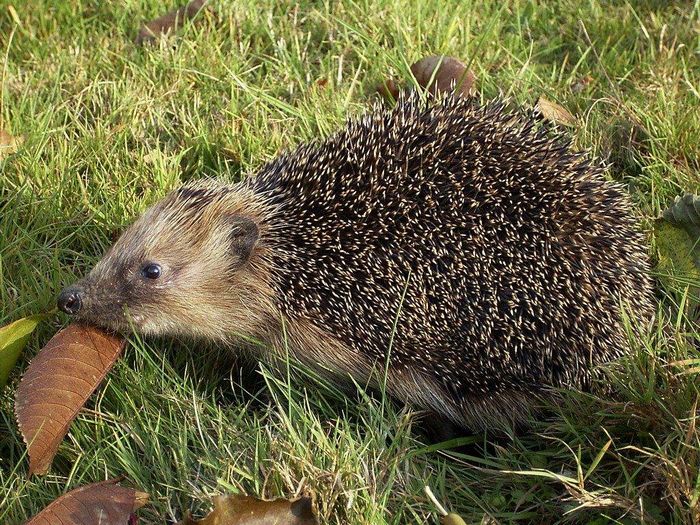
<point>114,323</point>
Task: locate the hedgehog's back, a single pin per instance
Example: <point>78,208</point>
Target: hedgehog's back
<point>503,255</point>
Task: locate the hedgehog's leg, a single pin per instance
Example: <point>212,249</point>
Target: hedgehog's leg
<point>438,428</point>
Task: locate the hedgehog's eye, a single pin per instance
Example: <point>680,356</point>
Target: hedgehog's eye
<point>151,271</point>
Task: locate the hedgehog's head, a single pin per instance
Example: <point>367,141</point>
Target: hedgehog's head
<point>191,265</point>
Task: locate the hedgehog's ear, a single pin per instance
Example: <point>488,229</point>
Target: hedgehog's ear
<point>244,234</point>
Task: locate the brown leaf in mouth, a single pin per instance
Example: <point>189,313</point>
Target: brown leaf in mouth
<point>56,385</point>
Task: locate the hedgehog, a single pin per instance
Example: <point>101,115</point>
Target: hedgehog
<point>458,252</point>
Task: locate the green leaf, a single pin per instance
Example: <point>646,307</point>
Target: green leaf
<point>685,212</point>
<point>676,250</point>
<point>13,339</point>
<point>677,234</point>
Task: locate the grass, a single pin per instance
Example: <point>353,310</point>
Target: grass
<point>110,127</point>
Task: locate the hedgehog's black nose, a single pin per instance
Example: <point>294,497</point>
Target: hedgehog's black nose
<point>70,300</point>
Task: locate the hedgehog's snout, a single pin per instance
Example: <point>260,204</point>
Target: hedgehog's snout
<point>70,300</point>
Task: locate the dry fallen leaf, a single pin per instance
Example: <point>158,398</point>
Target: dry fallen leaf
<point>57,384</point>
<point>437,74</point>
<point>554,112</point>
<point>170,21</point>
<point>104,502</point>
<point>8,144</point>
<point>388,89</point>
<point>245,510</point>
<point>442,74</point>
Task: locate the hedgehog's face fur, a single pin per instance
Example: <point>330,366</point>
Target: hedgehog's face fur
<point>188,267</point>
